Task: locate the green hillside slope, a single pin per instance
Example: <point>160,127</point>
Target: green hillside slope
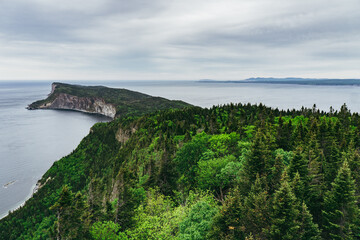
<point>229,172</point>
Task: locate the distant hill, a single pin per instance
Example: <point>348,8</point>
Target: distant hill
<point>300,81</point>
<point>102,100</point>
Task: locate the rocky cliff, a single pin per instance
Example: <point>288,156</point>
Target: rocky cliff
<point>83,104</point>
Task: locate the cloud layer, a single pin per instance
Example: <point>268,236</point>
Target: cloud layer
<point>162,39</point>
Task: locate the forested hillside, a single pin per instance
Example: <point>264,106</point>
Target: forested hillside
<point>229,172</point>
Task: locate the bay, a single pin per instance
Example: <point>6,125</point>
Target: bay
<point>30,141</point>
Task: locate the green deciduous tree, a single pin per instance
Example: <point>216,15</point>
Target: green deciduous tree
<point>187,157</point>
<point>217,174</point>
<point>106,230</point>
<point>198,223</point>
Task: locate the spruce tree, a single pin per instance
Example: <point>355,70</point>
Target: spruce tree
<point>283,135</point>
<point>298,187</point>
<point>256,212</point>
<point>308,230</point>
<point>63,213</point>
<point>353,158</point>
<point>257,163</point>
<point>340,207</point>
<point>274,177</point>
<point>315,194</point>
<point>285,214</point>
<point>81,217</point>
<point>332,160</point>
<point>299,164</point>
<point>228,223</point>
<point>73,216</point>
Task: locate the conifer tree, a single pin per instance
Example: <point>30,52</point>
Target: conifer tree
<point>274,176</point>
<point>340,207</point>
<point>353,158</point>
<point>299,164</point>
<point>283,135</point>
<point>308,230</point>
<point>298,187</point>
<point>332,160</point>
<point>63,209</point>
<point>73,216</point>
<point>80,219</point>
<point>228,223</point>
<point>257,164</point>
<point>298,169</point>
<point>256,213</point>
<point>315,195</point>
<point>259,155</point>
<point>285,214</point>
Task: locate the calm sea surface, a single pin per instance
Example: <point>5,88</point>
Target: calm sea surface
<point>30,141</point>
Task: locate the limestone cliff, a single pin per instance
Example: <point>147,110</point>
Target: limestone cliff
<point>83,104</point>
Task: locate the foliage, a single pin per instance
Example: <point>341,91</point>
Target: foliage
<point>198,222</point>
<point>106,230</point>
<point>340,207</point>
<point>284,214</point>
<point>229,172</point>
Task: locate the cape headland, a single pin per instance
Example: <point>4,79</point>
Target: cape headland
<point>110,102</point>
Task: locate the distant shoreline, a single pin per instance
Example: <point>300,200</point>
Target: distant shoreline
<point>295,81</point>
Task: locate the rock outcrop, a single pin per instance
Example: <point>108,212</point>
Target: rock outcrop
<point>123,135</point>
<point>83,104</point>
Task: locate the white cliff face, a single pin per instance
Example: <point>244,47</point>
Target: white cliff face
<point>83,104</point>
<point>53,86</point>
<point>105,109</point>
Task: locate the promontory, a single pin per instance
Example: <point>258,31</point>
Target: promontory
<point>110,102</point>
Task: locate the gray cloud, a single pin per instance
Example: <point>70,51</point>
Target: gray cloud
<point>140,39</point>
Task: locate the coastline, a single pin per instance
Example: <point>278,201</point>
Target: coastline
<point>20,204</point>
<point>93,114</point>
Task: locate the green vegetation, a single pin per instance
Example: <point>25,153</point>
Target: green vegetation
<point>229,172</point>
<point>126,102</point>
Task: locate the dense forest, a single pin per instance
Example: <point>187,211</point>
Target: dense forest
<point>230,172</point>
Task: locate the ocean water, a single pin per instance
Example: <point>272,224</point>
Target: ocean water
<point>282,96</point>
<point>30,141</point>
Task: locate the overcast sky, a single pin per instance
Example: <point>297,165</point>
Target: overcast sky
<point>187,39</point>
